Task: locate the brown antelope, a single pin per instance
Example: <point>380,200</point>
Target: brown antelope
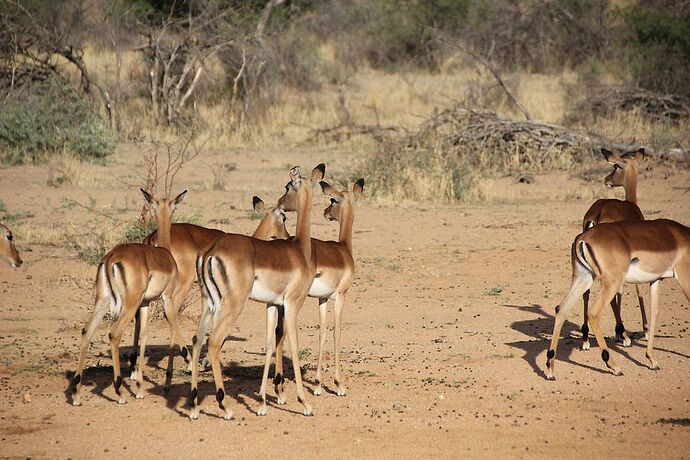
<point>624,252</point>
<point>7,249</point>
<point>128,277</point>
<point>625,168</point>
<point>335,270</point>
<point>189,242</point>
<point>276,272</point>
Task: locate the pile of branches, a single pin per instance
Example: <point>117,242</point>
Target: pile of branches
<point>490,143</point>
<point>657,106</point>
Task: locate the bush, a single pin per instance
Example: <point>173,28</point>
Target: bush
<point>659,46</point>
<point>51,117</point>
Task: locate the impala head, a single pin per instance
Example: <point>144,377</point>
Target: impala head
<point>272,226</point>
<point>623,166</point>
<point>163,208</point>
<point>7,249</point>
<point>341,200</point>
<point>290,200</point>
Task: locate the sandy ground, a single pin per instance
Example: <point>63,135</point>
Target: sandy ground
<point>444,342</point>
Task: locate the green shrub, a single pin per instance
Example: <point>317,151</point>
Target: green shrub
<point>51,117</point>
<point>659,46</point>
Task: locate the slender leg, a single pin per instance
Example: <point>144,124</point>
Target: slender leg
<point>215,342</point>
<point>654,300</point>
<point>135,345</point>
<point>621,334</point>
<point>640,300</point>
<point>585,326</point>
<point>323,311</point>
<point>271,323</point>
<point>170,308</point>
<point>129,309</point>
<point>138,372</point>
<point>100,308</point>
<point>608,291</point>
<point>582,281</point>
<point>196,351</point>
<point>337,328</point>
<point>291,309</point>
<point>279,377</point>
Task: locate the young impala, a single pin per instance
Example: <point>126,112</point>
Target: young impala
<point>625,168</point>
<point>7,249</point>
<point>128,278</point>
<point>624,252</point>
<point>335,270</point>
<point>276,272</point>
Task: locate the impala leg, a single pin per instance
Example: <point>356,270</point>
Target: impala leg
<point>100,308</point>
<point>654,300</point>
<point>271,323</point>
<point>337,328</point>
<point>196,351</point>
<point>279,377</point>
<point>170,309</point>
<point>323,312</point>
<point>135,345</point>
<point>640,300</point>
<point>585,324</point>
<point>582,281</point>
<point>608,291</point>
<point>621,334</point>
<point>138,372</point>
<point>129,309</point>
<point>291,309</point>
<point>215,342</point>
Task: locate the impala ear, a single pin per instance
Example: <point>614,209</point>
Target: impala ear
<point>606,153</point>
<point>318,172</point>
<point>258,205</point>
<point>328,189</point>
<point>638,154</point>
<point>148,197</point>
<point>295,175</point>
<point>179,198</point>
<point>358,187</point>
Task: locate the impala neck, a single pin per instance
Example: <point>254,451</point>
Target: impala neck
<point>262,232</point>
<point>303,230</point>
<point>630,185</point>
<point>163,221</point>
<point>347,218</point>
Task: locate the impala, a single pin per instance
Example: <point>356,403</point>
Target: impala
<point>335,270</point>
<point>7,249</point>
<point>624,252</point>
<point>276,272</point>
<point>625,168</point>
<point>189,242</point>
<point>128,278</point>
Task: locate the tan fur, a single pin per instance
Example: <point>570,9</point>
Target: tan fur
<point>8,251</point>
<point>335,270</point>
<point>239,267</point>
<point>624,174</point>
<point>619,252</point>
<point>128,277</point>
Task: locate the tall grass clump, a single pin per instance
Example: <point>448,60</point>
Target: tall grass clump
<point>51,118</point>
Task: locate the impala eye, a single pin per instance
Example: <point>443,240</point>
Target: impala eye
<point>333,201</point>
<point>10,237</point>
<point>284,219</point>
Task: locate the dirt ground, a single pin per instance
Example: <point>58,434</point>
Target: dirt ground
<point>444,341</point>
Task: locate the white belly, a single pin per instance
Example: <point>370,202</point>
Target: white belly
<point>637,275</point>
<point>320,290</point>
<point>261,294</point>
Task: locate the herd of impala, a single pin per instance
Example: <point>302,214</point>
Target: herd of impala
<point>617,245</point>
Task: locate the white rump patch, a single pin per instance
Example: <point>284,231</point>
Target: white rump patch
<point>115,282</point>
